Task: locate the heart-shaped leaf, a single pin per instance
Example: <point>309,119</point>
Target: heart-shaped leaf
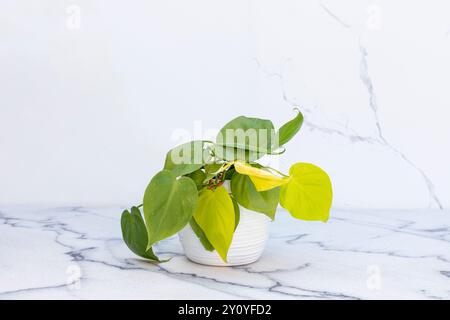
<point>134,234</point>
<point>308,194</point>
<point>187,158</point>
<point>168,205</point>
<point>215,216</point>
<point>245,138</point>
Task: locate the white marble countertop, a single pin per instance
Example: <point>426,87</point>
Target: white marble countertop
<point>78,253</point>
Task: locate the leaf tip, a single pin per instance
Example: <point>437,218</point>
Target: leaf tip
<point>223,256</point>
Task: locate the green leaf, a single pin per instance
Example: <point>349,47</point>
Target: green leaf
<point>245,138</point>
<point>237,213</point>
<point>290,129</point>
<point>309,194</point>
<point>186,158</point>
<point>198,176</point>
<point>201,235</point>
<point>215,216</point>
<point>229,173</point>
<point>244,191</point>
<point>134,234</point>
<point>168,205</point>
<point>212,169</point>
<point>231,154</point>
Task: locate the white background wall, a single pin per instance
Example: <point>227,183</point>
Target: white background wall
<point>89,106</point>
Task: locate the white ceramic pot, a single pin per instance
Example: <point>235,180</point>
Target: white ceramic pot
<point>247,246</point>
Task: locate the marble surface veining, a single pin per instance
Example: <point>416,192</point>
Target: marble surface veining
<point>78,253</point>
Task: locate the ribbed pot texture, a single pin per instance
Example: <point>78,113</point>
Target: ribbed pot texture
<point>247,246</point>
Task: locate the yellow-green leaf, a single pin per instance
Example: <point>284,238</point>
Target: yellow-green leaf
<point>308,194</point>
<point>215,216</point>
<point>262,179</point>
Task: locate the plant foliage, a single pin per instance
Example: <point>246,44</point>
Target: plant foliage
<point>190,191</point>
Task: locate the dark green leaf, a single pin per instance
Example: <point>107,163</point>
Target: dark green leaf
<point>245,193</point>
<point>201,235</point>
<point>134,234</point>
<point>237,213</point>
<point>229,173</point>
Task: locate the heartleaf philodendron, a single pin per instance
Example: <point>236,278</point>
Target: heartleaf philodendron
<point>168,205</point>
<point>308,194</point>
<point>245,138</point>
<point>247,196</point>
<point>134,234</point>
<point>215,216</point>
<point>204,185</point>
<point>187,158</point>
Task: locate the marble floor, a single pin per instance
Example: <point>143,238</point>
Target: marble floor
<point>77,253</point>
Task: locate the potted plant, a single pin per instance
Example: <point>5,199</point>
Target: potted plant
<point>219,199</point>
